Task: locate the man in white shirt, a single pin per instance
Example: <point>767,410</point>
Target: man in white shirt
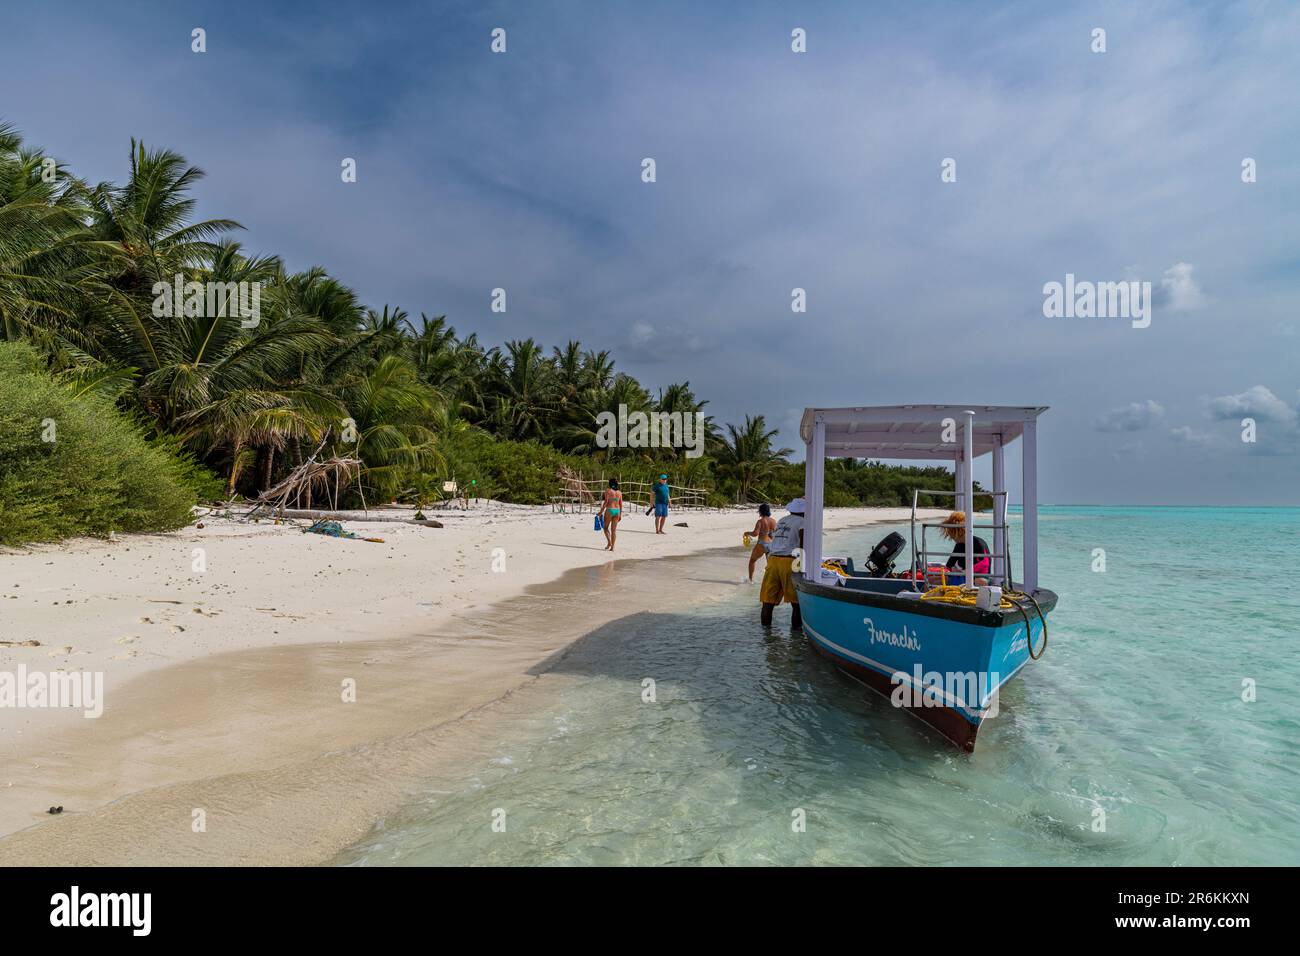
<point>778,579</point>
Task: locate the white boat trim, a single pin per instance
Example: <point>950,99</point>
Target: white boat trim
<point>891,672</point>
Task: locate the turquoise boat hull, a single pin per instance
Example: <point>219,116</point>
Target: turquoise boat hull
<point>942,663</point>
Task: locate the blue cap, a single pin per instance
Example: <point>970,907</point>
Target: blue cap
<point>663,477</point>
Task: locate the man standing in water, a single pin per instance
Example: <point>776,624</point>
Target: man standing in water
<point>778,579</point>
<point>661,503</point>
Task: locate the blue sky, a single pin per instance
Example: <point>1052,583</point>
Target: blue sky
<point>775,170</point>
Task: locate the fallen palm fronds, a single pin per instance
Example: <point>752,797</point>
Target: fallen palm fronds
<point>326,477</point>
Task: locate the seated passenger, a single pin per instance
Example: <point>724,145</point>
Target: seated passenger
<point>957,534</point>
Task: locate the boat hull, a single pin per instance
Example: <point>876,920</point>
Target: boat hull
<point>943,664</point>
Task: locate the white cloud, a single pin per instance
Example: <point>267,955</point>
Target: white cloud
<point>1132,417</point>
<point>1181,293</point>
<point>1255,402</point>
<point>1187,435</point>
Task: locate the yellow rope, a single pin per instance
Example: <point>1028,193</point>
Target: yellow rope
<point>959,594</point>
<point>966,595</point>
<point>836,567</point>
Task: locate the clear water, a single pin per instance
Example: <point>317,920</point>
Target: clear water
<point>1136,713</point>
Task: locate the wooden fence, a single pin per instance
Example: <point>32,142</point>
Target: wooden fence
<point>580,494</point>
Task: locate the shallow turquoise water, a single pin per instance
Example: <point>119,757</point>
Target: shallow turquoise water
<point>1136,712</point>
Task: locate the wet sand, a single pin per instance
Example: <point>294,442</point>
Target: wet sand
<point>255,757</point>
<point>262,742</point>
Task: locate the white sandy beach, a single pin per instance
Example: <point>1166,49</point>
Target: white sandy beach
<point>223,684</point>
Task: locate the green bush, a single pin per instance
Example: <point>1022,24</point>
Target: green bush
<point>526,472</point>
<point>201,483</point>
<point>75,466</point>
<point>522,472</point>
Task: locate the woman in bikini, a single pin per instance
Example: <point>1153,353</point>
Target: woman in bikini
<point>611,512</point>
<point>761,534</point>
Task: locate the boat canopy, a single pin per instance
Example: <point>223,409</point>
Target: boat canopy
<point>957,433</point>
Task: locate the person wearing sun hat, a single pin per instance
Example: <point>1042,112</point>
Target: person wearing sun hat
<point>778,579</point>
<point>954,529</point>
<point>661,503</point>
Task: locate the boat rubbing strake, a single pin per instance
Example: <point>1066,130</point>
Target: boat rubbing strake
<point>938,646</point>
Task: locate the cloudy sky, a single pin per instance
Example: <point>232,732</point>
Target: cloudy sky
<point>775,170</point>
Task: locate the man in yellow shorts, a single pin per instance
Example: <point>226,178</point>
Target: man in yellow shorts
<point>778,579</point>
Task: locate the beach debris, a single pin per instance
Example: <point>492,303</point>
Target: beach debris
<point>54,810</point>
<point>20,643</point>
<point>681,524</point>
<point>333,529</point>
<point>329,528</point>
<point>309,478</point>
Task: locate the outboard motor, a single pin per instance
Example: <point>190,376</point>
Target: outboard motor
<point>881,560</point>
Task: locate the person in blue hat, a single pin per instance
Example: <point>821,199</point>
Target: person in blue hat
<point>661,503</point>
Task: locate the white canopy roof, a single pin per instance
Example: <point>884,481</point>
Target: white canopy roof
<point>915,431</point>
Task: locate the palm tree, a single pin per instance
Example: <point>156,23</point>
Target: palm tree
<point>392,413</point>
<point>49,262</point>
<point>598,369</point>
<point>747,457</point>
<point>523,391</point>
<point>149,220</point>
<point>448,364</point>
<point>570,373</point>
<point>579,435</point>
<point>679,399</point>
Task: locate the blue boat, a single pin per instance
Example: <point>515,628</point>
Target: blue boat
<point>938,646</point>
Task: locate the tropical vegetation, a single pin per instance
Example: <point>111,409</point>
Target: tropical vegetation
<point>87,273</point>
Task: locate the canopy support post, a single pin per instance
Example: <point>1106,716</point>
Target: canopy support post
<point>1000,563</point>
<point>813,493</point>
<point>958,482</point>
<point>968,494</point>
<point>1029,470</point>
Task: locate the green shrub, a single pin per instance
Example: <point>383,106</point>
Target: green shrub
<point>522,472</point>
<point>74,466</point>
<point>201,483</point>
<point>526,472</point>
